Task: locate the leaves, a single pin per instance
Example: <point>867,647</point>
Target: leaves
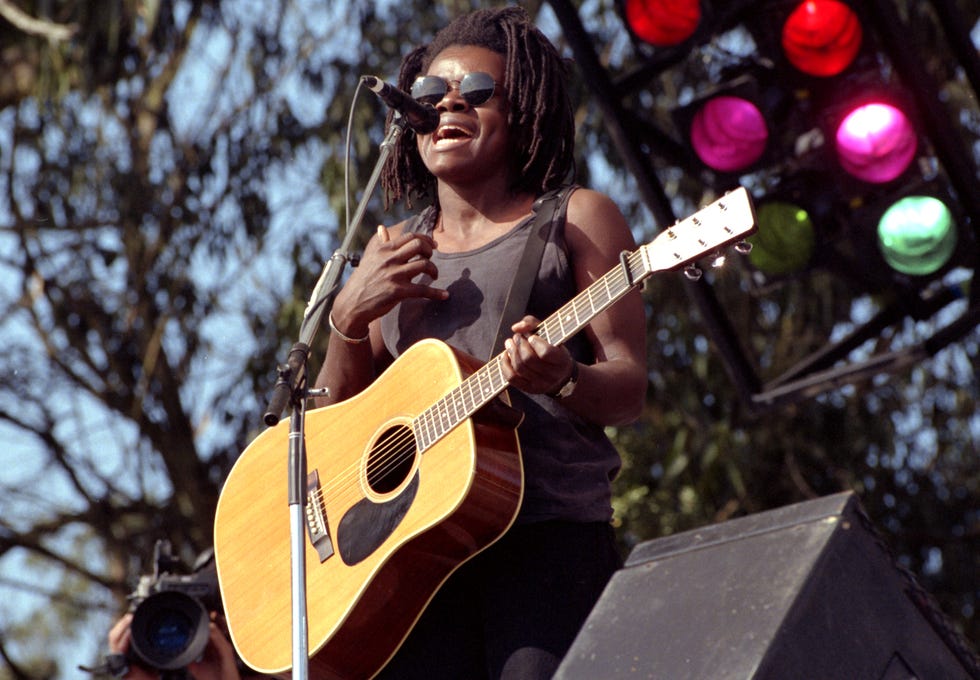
<point>171,183</point>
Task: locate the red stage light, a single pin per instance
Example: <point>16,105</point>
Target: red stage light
<point>663,23</point>
<point>876,142</point>
<point>729,133</point>
<point>822,37</point>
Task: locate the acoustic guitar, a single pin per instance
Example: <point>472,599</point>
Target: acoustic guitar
<point>406,481</point>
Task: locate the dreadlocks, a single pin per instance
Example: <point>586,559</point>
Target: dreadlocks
<point>541,118</point>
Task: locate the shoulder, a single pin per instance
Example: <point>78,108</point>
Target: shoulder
<point>593,220</point>
<point>584,202</point>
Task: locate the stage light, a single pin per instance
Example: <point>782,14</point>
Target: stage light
<point>663,23</point>
<point>785,238</point>
<point>875,142</point>
<point>729,133</point>
<point>917,235</point>
<point>822,37</point>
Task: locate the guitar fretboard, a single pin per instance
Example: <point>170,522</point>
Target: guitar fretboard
<point>488,381</point>
<point>725,221</point>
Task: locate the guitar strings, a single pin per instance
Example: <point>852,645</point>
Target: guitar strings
<point>402,445</point>
<point>398,449</point>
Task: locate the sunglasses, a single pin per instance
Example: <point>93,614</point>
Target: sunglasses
<point>475,88</point>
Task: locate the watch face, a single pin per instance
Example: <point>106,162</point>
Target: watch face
<point>567,389</point>
<point>569,386</point>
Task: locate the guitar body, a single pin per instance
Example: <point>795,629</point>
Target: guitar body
<point>392,539</point>
<point>404,485</point>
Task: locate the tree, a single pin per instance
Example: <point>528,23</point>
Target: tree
<point>172,181</point>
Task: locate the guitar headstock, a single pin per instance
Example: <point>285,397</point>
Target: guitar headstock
<point>728,220</point>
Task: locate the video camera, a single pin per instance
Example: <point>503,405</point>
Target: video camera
<point>171,611</point>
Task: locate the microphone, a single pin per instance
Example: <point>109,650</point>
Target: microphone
<point>423,118</point>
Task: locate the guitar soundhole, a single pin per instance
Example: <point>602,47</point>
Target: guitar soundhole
<point>391,459</point>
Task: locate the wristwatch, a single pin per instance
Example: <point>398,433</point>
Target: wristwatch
<point>566,390</point>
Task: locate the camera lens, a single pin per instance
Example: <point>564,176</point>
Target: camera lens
<point>169,630</point>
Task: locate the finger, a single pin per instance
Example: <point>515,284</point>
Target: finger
<point>536,364</point>
<point>119,635</point>
<point>413,268</point>
<point>410,272</point>
<point>542,349</point>
<point>383,235</point>
<point>222,645</point>
<point>429,292</point>
<point>218,639</point>
<point>528,324</point>
<point>554,358</point>
<point>506,364</point>
<point>415,244</point>
<point>520,351</point>
<point>513,347</point>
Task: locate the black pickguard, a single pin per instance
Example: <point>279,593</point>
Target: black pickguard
<point>366,525</point>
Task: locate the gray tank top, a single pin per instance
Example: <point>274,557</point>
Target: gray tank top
<point>569,463</point>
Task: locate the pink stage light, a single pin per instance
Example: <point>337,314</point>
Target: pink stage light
<point>876,142</point>
<point>729,133</point>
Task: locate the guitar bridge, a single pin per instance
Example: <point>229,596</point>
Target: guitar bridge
<point>316,518</point>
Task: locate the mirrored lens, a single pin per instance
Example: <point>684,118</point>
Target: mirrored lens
<point>429,89</point>
<point>476,88</point>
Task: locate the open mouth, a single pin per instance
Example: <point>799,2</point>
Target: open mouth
<point>451,133</point>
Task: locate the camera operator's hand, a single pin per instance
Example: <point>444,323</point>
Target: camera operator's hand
<point>219,661</point>
<point>119,638</point>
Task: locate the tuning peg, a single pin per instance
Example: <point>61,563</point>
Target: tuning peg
<point>743,247</point>
<point>717,260</point>
<point>692,272</point>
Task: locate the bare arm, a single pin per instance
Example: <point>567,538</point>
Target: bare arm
<point>380,281</point>
<point>612,390</point>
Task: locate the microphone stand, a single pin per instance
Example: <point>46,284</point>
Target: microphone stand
<point>291,389</point>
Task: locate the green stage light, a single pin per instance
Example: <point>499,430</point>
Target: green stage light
<point>917,235</point>
<point>785,240</point>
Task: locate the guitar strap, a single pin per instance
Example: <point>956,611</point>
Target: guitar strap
<point>548,210</point>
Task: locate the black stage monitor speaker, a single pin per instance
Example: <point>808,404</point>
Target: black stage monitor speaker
<point>803,592</point>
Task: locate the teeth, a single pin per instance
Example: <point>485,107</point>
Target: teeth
<point>452,132</point>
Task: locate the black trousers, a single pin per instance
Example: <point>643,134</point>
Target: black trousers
<point>512,611</point>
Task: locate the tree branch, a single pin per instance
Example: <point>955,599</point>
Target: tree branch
<point>46,29</point>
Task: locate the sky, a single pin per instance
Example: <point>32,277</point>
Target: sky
<point>298,202</point>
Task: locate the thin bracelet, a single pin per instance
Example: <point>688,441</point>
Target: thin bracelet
<point>349,341</point>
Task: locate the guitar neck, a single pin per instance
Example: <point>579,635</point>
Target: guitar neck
<point>488,381</point>
<point>728,220</point>
<point>576,314</point>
